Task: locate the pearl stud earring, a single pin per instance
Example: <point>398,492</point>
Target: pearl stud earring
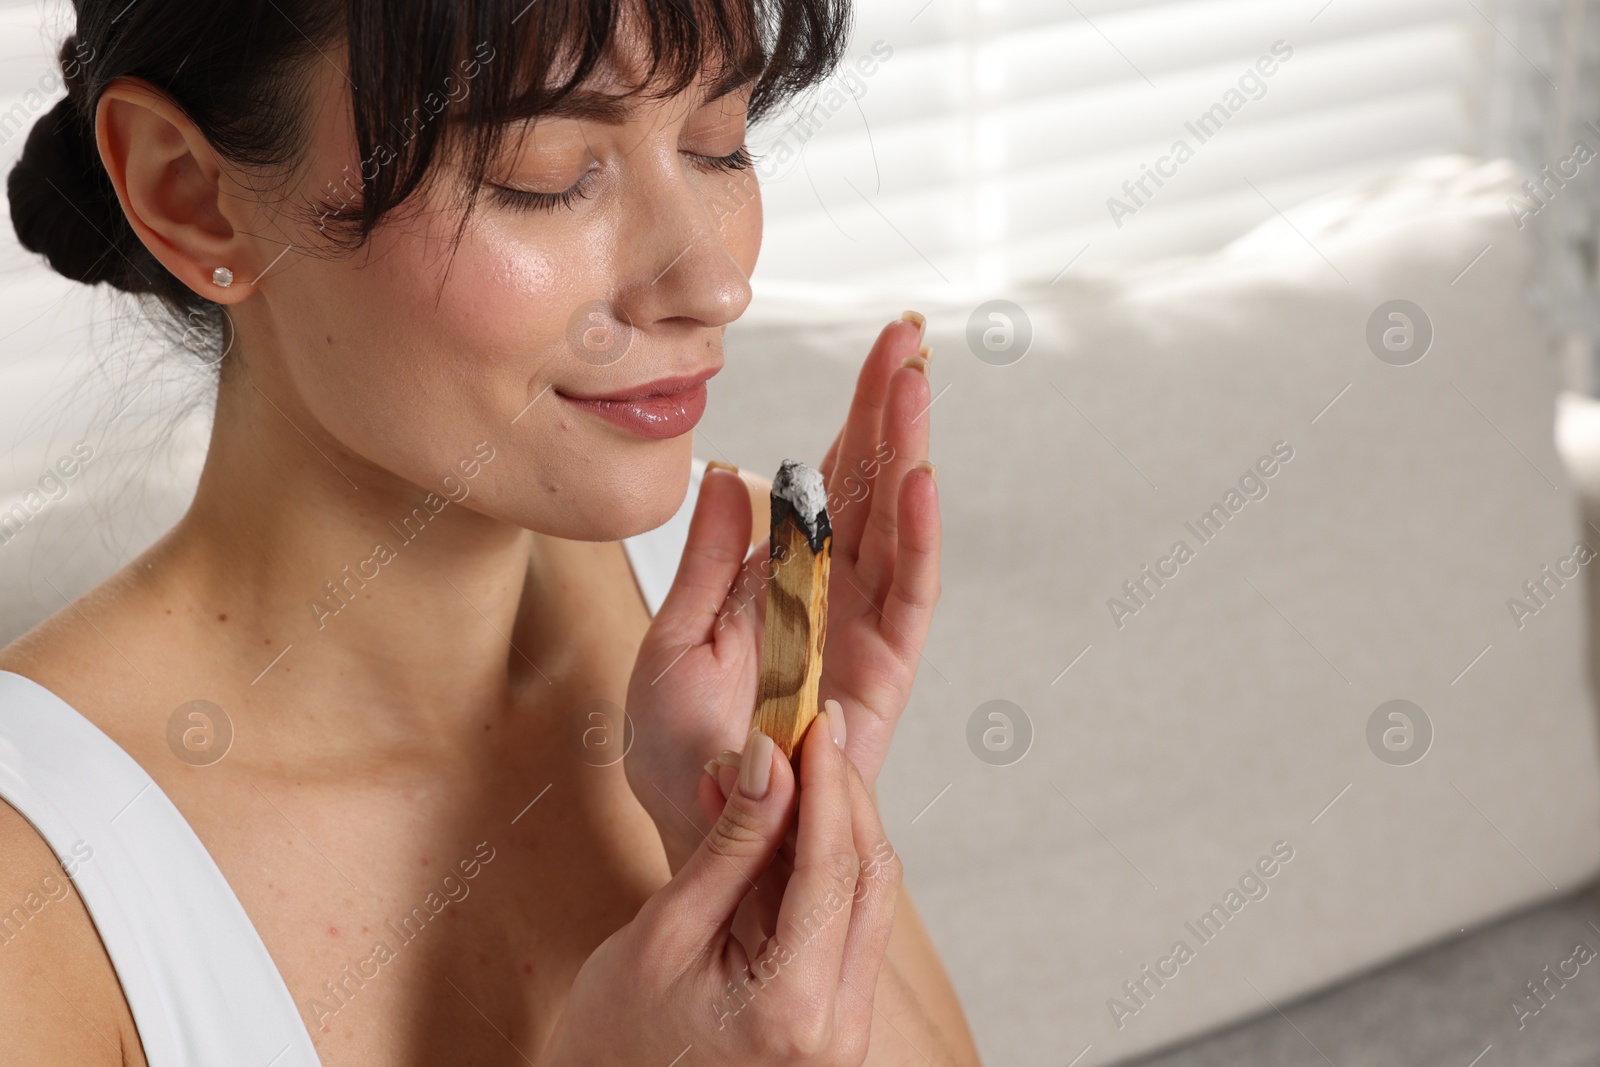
<point>222,277</point>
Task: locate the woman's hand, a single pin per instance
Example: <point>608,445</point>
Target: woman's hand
<point>883,579</point>
<point>693,688</point>
<point>676,978</point>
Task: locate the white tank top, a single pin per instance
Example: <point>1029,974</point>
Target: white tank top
<point>202,989</point>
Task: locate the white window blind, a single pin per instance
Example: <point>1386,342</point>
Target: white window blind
<point>985,147</point>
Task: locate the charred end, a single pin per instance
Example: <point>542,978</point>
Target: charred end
<point>798,490</point>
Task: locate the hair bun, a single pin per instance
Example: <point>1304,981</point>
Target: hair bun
<point>63,206</point>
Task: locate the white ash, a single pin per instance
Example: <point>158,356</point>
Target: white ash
<point>802,488</point>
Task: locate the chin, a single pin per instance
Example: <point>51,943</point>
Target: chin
<point>621,491</point>
<point>661,478</point>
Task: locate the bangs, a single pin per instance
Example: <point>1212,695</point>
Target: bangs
<point>431,75</point>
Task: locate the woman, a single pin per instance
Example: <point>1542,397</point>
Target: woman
<point>322,762</point>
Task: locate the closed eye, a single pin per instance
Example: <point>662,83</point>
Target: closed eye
<point>739,159</point>
<point>531,200</point>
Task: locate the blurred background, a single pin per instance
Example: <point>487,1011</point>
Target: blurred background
<point>1306,287</point>
<point>984,148</point>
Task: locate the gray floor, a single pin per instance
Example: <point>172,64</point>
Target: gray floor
<point>1444,1006</point>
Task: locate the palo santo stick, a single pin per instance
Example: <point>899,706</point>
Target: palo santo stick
<point>797,606</point>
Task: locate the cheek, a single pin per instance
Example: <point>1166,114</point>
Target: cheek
<point>513,270</point>
<point>499,311</point>
<point>435,350</point>
<point>473,323</point>
<point>421,333</point>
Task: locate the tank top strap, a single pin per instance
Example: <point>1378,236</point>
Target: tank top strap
<point>201,986</point>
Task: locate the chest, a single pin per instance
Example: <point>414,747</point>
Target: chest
<point>435,906</point>
<point>440,922</point>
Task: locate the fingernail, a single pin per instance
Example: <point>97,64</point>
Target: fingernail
<point>835,712</point>
<point>927,465</point>
<point>711,768</point>
<point>755,768</point>
<point>727,778</point>
<point>728,758</point>
<point>917,319</point>
<point>718,465</point>
<point>918,362</point>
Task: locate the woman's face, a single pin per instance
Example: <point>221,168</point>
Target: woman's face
<point>608,253</point>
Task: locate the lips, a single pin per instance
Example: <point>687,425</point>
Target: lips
<point>658,410</point>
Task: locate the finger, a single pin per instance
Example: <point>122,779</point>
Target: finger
<point>698,905</point>
<point>715,786</point>
<point>914,589</point>
<point>862,447</point>
<point>757,920</point>
<point>746,604</point>
<point>905,427</point>
<point>872,910</point>
<point>711,796</point>
<point>714,552</point>
<point>814,918</point>
<point>722,774</point>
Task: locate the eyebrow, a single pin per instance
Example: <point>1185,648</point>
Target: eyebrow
<point>613,110</point>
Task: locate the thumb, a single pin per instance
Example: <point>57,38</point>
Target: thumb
<point>726,867</point>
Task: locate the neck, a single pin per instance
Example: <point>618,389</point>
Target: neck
<point>371,590</point>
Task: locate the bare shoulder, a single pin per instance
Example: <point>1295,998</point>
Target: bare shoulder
<point>60,1001</point>
<point>66,652</point>
<point>39,645</point>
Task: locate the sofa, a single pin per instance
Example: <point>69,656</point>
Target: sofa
<point>1256,724</point>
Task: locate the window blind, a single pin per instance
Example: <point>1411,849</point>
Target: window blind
<point>981,141</point>
<point>985,141</point>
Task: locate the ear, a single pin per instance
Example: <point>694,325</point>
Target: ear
<point>182,203</point>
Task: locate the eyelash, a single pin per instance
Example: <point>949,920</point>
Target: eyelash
<point>526,200</point>
<point>738,159</point>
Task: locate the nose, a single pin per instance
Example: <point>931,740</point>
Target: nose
<point>680,270</point>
